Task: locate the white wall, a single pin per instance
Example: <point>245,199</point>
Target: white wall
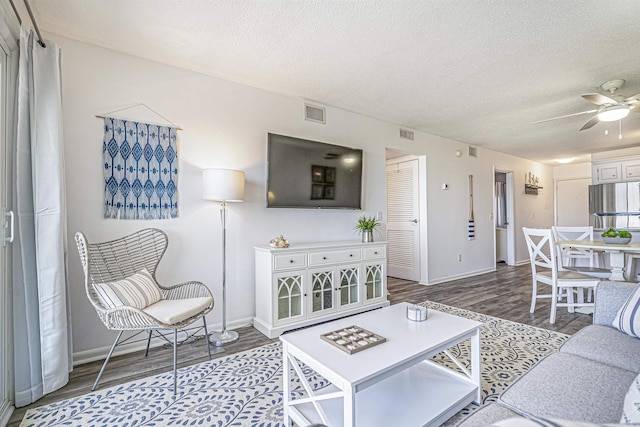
<point>572,171</point>
<point>225,125</point>
<point>616,154</point>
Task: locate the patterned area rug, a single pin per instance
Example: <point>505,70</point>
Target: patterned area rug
<point>245,389</point>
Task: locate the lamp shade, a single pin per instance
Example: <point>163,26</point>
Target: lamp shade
<point>223,185</point>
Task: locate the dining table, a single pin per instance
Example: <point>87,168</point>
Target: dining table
<point>617,253</point>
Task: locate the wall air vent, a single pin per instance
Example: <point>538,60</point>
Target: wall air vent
<point>406,134</point>
<point>315,114</point>
<point>473,152</point>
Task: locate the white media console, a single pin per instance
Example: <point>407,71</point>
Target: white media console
<point>312,283</point>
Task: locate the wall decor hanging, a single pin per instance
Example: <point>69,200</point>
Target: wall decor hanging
<point>140,162</point>
<point>471,231</point>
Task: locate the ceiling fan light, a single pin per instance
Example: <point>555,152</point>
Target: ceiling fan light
<point>611,114</point>
<point>565,160</point>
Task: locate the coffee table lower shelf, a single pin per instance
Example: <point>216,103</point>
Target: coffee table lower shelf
<point>425,394</point>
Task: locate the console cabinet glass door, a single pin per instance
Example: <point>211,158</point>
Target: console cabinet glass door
<point>290,297</point>
<point>321,298</point>
<point>349,285</point>
<point>373,282</point>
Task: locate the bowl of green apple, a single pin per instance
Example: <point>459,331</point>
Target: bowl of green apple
<point>616,237</point>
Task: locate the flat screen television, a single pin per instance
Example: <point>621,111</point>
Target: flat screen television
<point>311,174</point>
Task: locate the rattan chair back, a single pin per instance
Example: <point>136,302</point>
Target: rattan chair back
<point>116,259</point>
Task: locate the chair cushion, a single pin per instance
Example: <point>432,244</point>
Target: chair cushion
<point>569,275</point>
<point>601,273</point>
<point>627,319</point>
<point>631,408</point>
<point>170,312</point>
<point>138,290</point>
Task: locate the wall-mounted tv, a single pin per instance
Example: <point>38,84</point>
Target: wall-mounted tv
<point>311,174</point>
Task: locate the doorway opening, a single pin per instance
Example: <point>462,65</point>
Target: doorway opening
<point>503,215</point>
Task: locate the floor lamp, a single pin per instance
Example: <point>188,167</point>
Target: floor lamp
<point>223,185</point>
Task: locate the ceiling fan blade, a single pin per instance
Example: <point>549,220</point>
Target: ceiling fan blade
<point>590,123</point>
<point>632,99</point>
<point>599,99</point>
<point>565,116</point>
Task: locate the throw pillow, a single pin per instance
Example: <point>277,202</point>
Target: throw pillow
<point>138,290</point>
<point>627,319</point>
<point>631,408</point>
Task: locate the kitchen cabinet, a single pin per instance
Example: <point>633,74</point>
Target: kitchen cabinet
<point>618,170</point>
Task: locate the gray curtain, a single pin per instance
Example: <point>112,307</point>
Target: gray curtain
<point>501,205</point>
<point>42,338</point>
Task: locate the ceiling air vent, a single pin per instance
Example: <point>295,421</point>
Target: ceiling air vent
<point>406,134</point>
<point>314,114</point>
<point>473,152</point>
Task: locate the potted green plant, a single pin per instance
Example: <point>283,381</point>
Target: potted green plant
<point>366,225</point>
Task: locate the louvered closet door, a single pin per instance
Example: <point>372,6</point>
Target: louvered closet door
<point>403,230</point>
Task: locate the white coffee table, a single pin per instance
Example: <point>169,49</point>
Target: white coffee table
<point>391,384</point>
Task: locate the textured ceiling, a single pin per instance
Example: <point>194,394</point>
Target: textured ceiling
<point>479,72</point>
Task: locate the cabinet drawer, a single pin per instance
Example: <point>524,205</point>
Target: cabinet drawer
<point>375,252</point>
<point>289,261</point>
<point>332,257</point>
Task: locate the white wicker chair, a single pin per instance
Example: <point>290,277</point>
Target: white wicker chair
<point>107,262</point>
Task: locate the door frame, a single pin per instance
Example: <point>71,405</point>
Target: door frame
<point>511,236</point>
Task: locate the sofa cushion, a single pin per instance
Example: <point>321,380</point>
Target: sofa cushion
<point>631,408</point>
<point>138,290</point>
<point>487,415</point>
<point>563,385</point>
<point>595,342</point>
<point>553,422</point>
<point>171,312</point>
<point>628,318</point>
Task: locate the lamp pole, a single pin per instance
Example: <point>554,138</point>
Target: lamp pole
<point>223,185</point>
<point>224,336</point>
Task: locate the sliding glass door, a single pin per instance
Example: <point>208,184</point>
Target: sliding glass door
<point>6,232</point>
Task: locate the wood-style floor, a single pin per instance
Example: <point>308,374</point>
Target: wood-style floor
<point>505,293</point>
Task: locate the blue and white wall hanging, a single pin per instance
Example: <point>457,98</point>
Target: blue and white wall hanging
<point>140,170</point>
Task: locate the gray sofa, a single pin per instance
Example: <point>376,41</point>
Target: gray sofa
<point>585,380</point>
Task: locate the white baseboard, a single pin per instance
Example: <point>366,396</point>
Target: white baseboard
<point>86,356</point>
<point>458,276</point>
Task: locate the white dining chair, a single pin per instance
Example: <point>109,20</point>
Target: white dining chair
<point>544,257</point>
<point>630,260</point>
<point>586,261</point>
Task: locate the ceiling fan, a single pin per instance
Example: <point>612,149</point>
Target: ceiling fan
<point>611,107</point>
